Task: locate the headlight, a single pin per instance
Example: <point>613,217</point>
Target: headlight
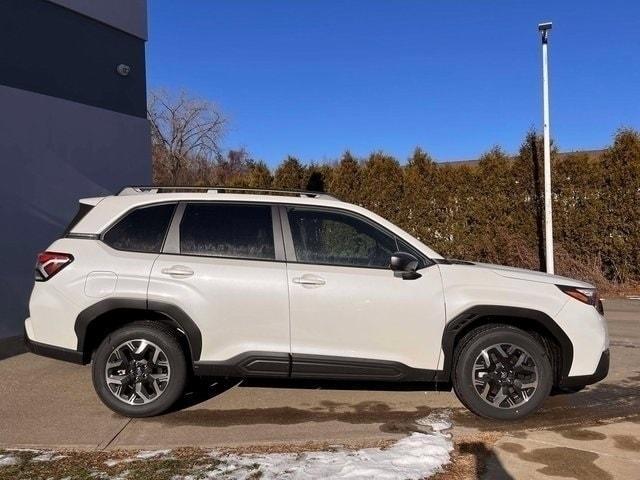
<point>585,295</point>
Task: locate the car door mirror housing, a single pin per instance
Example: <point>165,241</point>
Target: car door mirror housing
<point>405,265</point>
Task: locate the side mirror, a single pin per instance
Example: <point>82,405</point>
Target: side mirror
<point>405,265</point>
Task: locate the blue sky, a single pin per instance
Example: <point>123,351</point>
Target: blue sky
<point>313,78</point>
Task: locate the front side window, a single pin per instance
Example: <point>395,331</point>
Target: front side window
<point>334,238</point>
<point>226,230</point>
<point>142,230</point>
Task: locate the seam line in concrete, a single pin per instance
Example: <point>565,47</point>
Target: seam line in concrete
<point>106,445</point>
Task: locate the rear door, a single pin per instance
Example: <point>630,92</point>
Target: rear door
<point>122,262</point>
<point>223,265</point>
<point>351,317</point>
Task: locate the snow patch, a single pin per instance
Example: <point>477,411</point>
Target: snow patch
<point>48,457</point>
<point>7,460</point>
<point>113,463</point>
<point>152,454</point>
<point>143,455</point>
<point>437,421</point>
<point>415,457</point>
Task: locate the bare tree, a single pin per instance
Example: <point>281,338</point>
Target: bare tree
<point>185,133</point>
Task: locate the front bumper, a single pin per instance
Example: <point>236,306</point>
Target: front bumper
<point>52,351</point>
<point>602,370</point>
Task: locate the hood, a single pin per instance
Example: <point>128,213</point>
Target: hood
<point>524,274</point>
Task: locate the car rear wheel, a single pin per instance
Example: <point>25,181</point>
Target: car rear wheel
<point>140,370</point>
<point>501,372</point>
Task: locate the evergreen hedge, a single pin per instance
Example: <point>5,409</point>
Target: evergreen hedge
<point>491,211</point>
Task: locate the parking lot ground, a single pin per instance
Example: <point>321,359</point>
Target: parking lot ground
<point>591,434</point>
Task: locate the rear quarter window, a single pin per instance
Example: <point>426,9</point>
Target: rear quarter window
<point>83,209</point>
<point>142,230</point>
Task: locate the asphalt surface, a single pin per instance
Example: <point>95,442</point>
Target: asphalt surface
<point>591,434</point>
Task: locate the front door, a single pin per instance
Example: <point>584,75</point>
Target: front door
<point>351,317</point>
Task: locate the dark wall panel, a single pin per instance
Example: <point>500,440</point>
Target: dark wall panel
<point>127,15</point>
<point>52,153</point>
<point>49,49</point>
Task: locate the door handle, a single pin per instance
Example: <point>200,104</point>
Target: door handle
<point>179,271</point>
<point>308,280</point>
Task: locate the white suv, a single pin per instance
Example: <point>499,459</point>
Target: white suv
<point>154,284</point>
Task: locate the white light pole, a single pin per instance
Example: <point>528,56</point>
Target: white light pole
<point>544,28</point>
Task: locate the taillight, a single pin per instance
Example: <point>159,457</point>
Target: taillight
<point>50,263</point>
<point>585,295</point>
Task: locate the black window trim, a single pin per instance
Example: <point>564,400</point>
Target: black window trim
<point>106,230</point>
<point>290,249</point>
<point>283,240</point>
<point>174,232</point>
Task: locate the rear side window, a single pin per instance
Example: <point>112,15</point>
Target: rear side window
<point>142,230</point>
<point>226,230</point>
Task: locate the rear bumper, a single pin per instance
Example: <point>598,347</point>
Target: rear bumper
<point>52,351</point>
<point>602,370</point>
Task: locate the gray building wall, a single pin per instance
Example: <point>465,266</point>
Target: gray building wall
<point>70,126</point>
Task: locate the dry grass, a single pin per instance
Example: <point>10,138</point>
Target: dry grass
<point>468,461</point>
<point>195,462</point>
<point>91,465</point>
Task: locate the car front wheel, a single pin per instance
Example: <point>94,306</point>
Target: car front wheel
<point>502,372</point>
<point>140,370</point>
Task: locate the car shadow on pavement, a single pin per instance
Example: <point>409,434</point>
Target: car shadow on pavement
<point>592,406</point>
<point>201,389</point>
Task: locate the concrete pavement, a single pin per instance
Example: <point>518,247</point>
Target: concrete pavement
<point>591,434</point>
<point>603,452</point>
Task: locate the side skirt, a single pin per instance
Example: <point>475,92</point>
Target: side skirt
<point>248,364</point>
<point>310,367</point>
<point>348,368</point>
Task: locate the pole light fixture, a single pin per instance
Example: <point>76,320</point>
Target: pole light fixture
<point>544,29</point>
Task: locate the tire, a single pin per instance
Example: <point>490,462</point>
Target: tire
<point>154,380</point>
<point>481,368</point>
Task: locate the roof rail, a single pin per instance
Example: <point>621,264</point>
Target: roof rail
<point>141,189</point>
